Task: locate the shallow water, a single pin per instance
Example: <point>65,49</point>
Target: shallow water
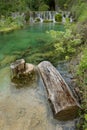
<point>25,43</point>
<point>26,108</point>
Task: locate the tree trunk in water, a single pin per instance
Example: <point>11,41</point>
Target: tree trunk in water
<point>63,103</point>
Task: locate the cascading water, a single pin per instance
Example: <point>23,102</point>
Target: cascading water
<point>45,16</point>
<point>42,15</point>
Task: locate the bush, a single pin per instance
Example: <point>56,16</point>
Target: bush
<point>79,11</point>
<point>47,20</point>
<point>83,63</point>
<point>27,16</point>
<point>65,43</point>
<point>37,20</point>
<point>58,18</point>
<point>9,24</point>
<point>43,7</point>
<point>82,29</point>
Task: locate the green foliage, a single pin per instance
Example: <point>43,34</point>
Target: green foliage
<point>43,7</point>
<point>58,18</point>
<point>79,11</point>
<point>47,21</point>
<point>6,7</point>
<point>65,6</point>
<point>8,24</point>
<point>85,122</point>
<point>37,20</point>
<point>85,116</point>
<point>65,43</point>
<point>27,16</point>
<point>61,3</point>
<point>83,63</point>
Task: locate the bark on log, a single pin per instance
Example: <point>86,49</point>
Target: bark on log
<point>17,67</point>
<point>63,103</point>
<point>23,73</point>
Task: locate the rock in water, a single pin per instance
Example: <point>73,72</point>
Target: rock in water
<point>63,103</point>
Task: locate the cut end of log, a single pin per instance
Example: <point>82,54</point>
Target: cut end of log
<point>17,63</point>
<point>69,113</point>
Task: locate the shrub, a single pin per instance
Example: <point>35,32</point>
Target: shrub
<point>58,18</point>
<point>27,16</point>
<point>43,7</point>
<point>82,29</point>
<point>65,6</point>
<point>65,43</point>
<point>37,20</point>
<point>79,11</point>
<point>47,21</point>
<point>83,63</point>
<point>10,23</point>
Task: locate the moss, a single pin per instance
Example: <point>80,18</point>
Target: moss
<point>7,60</point>
<point>9,29</point>
<point>35,58</point>
<point>37,20</point>
<point>27,16</point>
<point>58,18</point>
<point>47,21</point>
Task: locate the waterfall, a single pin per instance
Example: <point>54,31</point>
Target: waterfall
<point>42,16</point>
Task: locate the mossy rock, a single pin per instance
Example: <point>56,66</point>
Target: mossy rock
<point>47,21</point>
<point>58,18</point>
<point>27,16</point>
<point>37,20</point>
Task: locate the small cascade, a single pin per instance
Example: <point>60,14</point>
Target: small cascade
<point>66,15</point>
<point>71,19</point>
<point>48,16</point>
<point>63,19</point>
<point>40,16</point>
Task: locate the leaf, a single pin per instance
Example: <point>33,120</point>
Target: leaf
<point>85,116</point>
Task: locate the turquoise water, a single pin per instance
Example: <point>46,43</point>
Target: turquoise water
<point>24,43</point>
<point>14,44</point>
<point>26,108</point>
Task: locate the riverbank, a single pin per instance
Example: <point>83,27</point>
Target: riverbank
<point>8,24</point>
<point>9,29</point>
<point>78,66</point>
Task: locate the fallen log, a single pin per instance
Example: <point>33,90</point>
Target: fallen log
<point>63,103</point>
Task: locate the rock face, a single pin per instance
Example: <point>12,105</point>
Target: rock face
<point>22,73</point>
<point>63,103</point>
